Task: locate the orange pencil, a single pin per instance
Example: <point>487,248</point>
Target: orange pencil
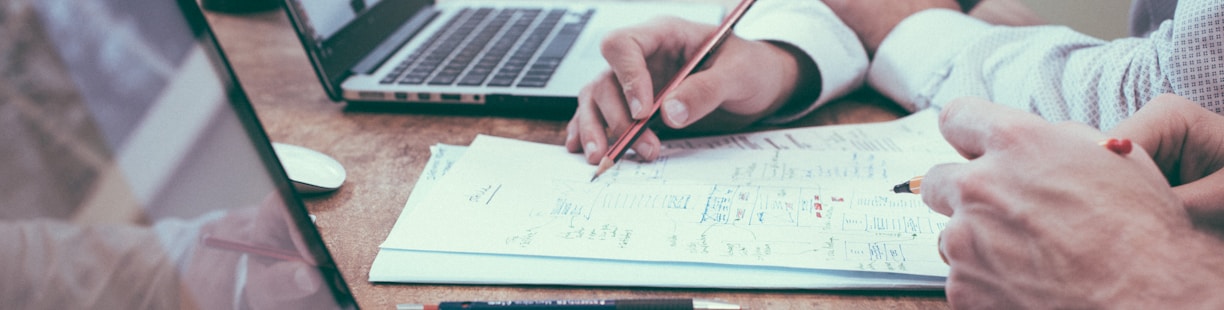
<point>912,186</point>
<point>626,140</point>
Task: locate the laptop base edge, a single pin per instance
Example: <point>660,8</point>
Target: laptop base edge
<point>541,108</point>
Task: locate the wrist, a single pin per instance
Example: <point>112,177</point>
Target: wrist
<point>967,5</point>
<point>787,78</point>
<point>1186,276</point>
<point>802,85</point>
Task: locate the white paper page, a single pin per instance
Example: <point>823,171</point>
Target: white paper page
<point>513,197</point>
<point>918,132</point>
<point>913,133</point>
<point>392,265</point>
<point>441,158</point>
<point>402,266</point>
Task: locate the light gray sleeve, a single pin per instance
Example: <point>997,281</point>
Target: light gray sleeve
<point>1051,70</point>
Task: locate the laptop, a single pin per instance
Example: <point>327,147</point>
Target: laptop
<point>523,56</point>
<point>176,199</point>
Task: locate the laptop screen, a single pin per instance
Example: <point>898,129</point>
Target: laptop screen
<point>342,35</point>
<point>135,173</point>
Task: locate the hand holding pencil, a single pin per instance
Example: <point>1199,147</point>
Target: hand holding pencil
<point>704,54</point>
<point>251,257</point>
<point>745,81</point>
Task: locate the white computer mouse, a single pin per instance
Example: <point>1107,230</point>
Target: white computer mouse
<point>309,170</point>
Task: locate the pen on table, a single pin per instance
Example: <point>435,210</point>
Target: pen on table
<point>1118,146</point>
<point>579,304</point>
<point>622,144</point>
<point>241,247</point>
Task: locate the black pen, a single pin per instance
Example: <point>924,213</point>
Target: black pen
<point>579,304</point>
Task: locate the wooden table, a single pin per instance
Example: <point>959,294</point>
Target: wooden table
<point>385,152</point>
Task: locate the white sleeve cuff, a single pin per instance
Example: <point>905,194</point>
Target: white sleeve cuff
<point>916,56</point>
<point>814,29</point>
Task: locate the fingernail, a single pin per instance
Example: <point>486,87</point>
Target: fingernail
<point>635,106</point>
<point>588,148</point>
<point>676,111</point>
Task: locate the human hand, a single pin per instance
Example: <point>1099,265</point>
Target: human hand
<point>281,274</point>
<point>1187,143</point>
<point>872,20</point>
<point>746,80</point>
<point>1044,217</point>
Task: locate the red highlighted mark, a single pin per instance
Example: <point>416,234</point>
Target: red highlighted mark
<point>1119,146</point>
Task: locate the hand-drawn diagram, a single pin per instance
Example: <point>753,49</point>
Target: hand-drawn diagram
<point>798,209</point>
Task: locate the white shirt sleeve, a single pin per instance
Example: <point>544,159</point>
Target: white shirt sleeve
<point>811,27</point>
<point>938,55</point>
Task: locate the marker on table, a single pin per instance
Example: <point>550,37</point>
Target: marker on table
<point>1118,146</point>
<point>631,135</point>
<point>579,304</point>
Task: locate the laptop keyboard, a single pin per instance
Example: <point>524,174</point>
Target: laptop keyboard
<point>499,47</point>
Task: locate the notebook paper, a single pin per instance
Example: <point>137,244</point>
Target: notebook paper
<point>793,208</point>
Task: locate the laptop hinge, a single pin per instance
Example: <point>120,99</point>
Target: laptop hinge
<point>397,39</point>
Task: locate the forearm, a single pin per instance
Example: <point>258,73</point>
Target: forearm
<point>1051,71</point>
<point>1191,273</point>
<point>938,55</point>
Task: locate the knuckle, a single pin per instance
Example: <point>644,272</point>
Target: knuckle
<point>584,94</point>
<point>1008,132</point>
<point>975,187</point>
<point>1072,125</point>
<point>615,42</point>
<point>700,89</point>
<point>627,82</point>
<point>617,128</point>
<point>954,243</point>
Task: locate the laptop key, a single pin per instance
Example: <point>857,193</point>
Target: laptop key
<point>533,81</point>
<point>480,51</point>
<point>550,58</point>
<point>472,80</point>
<point>412,80</point>
<point>502,80</point>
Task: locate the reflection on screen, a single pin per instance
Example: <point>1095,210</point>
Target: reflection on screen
<point>169,204</point>
<point>326,17</point>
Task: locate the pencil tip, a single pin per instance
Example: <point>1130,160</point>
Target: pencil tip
<point>604,164</point>
<point>902,188</point>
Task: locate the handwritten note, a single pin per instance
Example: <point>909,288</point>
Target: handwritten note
<point>914,133</point>
<point>800,208</point>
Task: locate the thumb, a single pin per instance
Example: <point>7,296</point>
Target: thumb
<point>693,99</point>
